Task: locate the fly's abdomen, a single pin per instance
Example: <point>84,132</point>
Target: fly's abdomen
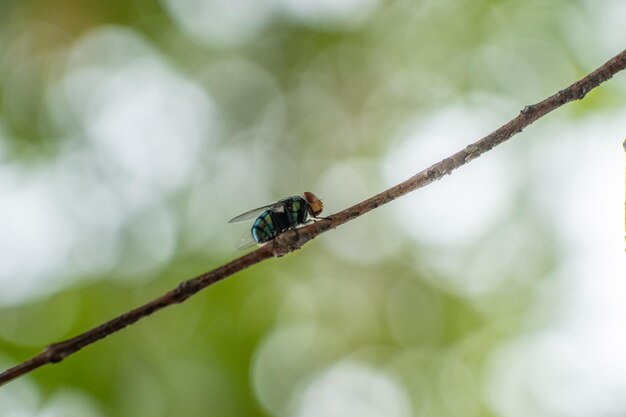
<point>263,228</point>
<point>269,225</point>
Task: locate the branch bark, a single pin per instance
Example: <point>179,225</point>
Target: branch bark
<point>295,239</point>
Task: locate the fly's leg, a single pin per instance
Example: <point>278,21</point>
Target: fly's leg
<point>318,218</point>
<point>315,219</point>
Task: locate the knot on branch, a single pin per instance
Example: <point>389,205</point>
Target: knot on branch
<point>185,290</point>
<point>580,91</point>
<point>287,242</point>
<point>576,92</point>
<point>439,170</point>
<point>471,152</point>
<point>55,353</point>
<point>528,110</point>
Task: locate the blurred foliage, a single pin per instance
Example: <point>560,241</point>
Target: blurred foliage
<point>113,199</point>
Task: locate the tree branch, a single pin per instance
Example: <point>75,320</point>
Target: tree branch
<point>293,240</point>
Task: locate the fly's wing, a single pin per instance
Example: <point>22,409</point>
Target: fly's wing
<point>251,214</point>
<point>246,242</point>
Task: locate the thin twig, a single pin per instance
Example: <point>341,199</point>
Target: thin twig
<point>293,240</point>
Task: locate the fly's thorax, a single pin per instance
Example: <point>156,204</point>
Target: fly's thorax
<point>297,208</point>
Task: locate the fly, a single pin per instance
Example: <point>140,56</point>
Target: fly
<point>273,219</point>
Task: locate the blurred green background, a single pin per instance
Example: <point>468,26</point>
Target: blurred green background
<point>132,131</point>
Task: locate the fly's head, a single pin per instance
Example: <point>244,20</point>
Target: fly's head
<point>315,205</point>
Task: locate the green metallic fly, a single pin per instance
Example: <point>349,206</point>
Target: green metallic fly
<point>273,219</point>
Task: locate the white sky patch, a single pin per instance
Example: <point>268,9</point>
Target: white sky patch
<point>232,23</point>
<point>560,373</point>
<point>221,22</point>
<point>34,238</point>
<point>470,205</point>
<point>576,365</point>
<point>70,403</point>
<point>369,241</point>
<point>147,127</point>
<point>324,12</point>
<point>607,28</point>
<point>19,399</point>
<point>148,124</point>
<point>350,389</point>
<point>137,132</point>
<point>145,121</point>
<point>578,182</point>
<point>22,399</point>
<point>287,357</point>
<point>460,207</point>
<point>152,240</point>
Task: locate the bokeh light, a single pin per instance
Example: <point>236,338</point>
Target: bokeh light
<point>130,132</point>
